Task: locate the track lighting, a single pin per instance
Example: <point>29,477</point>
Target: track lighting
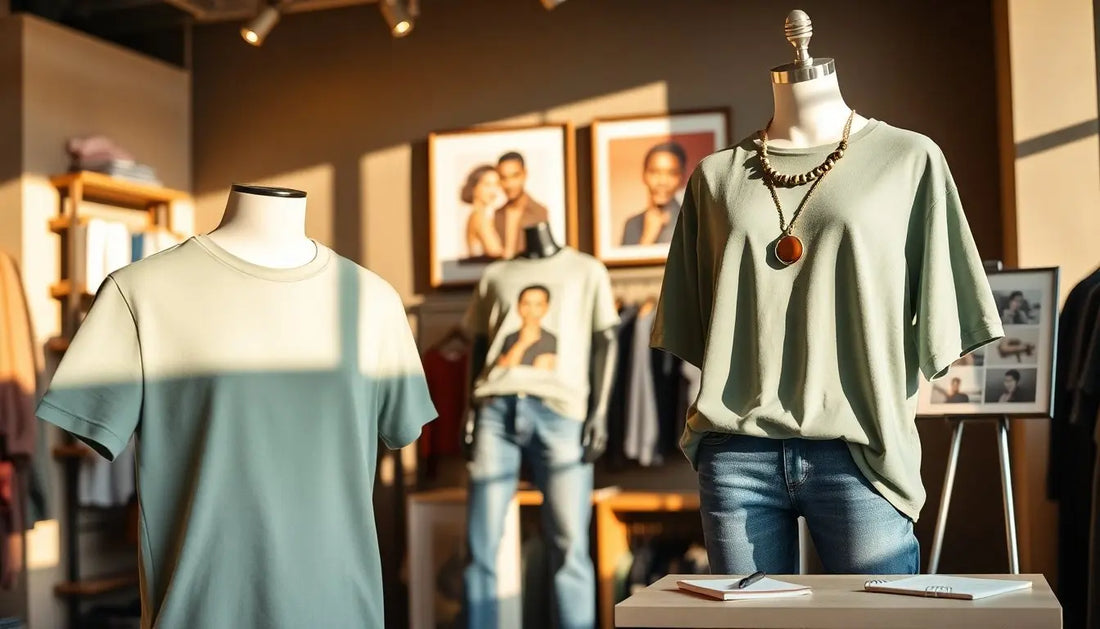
<point>550,4</point>
<point>257,29</point>
<point>397,15</point>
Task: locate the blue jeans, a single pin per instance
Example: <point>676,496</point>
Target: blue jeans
<point>507,428</point>
<point>753,489</point>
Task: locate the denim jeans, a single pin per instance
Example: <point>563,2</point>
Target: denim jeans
<point>753,489</point>
<point>507,428</point>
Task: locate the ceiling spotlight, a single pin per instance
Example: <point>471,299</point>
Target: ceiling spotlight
<point>398,17</point>
<point>257,29</point>
<point>550,4</point>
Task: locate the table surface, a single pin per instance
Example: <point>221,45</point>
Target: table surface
<point>839,601</point>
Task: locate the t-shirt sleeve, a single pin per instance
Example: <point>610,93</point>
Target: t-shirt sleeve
<point>604,314</point>
<point>955,310</point>
<point>476,319</point>
<point>96,392</point>
<point>680,322</point>
<point>405,405</point>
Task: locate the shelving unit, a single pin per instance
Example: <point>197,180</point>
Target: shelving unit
<point>156,205</point>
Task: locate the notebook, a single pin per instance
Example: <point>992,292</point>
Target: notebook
<point>726,589</point>
<point>940,586</point>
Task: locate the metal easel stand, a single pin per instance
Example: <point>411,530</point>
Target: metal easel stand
<point>1006,488</point>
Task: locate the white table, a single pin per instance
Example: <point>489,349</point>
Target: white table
<point>839,602</point>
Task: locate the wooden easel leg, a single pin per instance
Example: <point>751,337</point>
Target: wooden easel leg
<point>945,497</point>
<point>1006,487</point>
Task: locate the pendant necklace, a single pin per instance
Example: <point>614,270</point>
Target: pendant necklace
<point>788,249</point>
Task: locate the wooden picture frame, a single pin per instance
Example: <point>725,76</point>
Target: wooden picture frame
<point>623,149</point>
<point>983,383</point>
<point>466,189</point>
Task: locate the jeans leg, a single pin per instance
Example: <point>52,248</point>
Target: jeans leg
<point>494,474</point>
<point>566,485</point>
<point>855,529</point>
<point>748,520</point>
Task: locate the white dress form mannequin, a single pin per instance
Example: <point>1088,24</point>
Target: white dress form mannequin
<point>266,226</point>
<point>808,107</point>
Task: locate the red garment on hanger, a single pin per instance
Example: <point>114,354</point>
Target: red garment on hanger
<point>446,373</point>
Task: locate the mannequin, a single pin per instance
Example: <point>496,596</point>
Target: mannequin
<point>542,361</point>
<point>541,244</point>
<point>808,107</point>
<point>811,353</point>
<point>266,226</point>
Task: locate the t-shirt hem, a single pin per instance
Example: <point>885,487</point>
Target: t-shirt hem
<point>938,364</point>
<point>907,508</point>
<point>566,410</point>
<point>95,433</point>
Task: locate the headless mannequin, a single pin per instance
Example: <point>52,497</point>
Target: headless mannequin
<point>808,108</point>
<point>266,226</point>
<point>541,244</point>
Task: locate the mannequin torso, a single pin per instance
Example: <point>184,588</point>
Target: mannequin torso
<point>265,226</point>
<point>809,113</point>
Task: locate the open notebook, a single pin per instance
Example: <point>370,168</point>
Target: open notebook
<point>941,586</point>
<point>726,589</point>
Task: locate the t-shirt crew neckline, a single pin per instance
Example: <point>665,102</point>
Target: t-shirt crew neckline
<point>291,274</point>
<point>866,130</point>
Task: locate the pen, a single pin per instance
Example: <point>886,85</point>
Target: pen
<point>749,580</point>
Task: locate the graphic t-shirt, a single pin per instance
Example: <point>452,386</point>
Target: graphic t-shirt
<point>890,286</point>
<point>539,315</point>
<point>258,397</point>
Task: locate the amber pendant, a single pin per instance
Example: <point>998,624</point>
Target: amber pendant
<point>788,249</point>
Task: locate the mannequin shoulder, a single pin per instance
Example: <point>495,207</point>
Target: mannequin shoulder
<point>890,139</point>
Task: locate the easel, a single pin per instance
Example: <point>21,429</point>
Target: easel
<point>1006,488</point>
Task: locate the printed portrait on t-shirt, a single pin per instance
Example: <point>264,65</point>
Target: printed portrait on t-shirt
<point>532,345</point>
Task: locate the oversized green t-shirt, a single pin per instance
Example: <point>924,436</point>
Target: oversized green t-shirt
<point>258,397</point>
<point>539,315</point>
<point>890,286</point>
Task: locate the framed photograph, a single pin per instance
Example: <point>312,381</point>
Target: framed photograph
<point>486,185</point>
<point>1014,375</point>
<point>640,169</point>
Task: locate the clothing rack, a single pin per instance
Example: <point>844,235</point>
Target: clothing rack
<point>156,204</point>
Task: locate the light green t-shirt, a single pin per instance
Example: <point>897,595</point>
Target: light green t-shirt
<point>890,286</point>
<point>539,315</point>
<point>258,397</point>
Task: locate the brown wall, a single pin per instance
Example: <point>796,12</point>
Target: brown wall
<point>332,104</point>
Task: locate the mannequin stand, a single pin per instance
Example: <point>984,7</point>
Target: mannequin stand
<point>1006,488</point>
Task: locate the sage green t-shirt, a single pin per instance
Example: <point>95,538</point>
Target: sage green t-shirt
<point>539,315</point>
<point>890,286</point>
<point>258,397</point>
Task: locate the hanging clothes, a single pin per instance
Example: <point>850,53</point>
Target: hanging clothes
<point>18,386</point>
<point>615,455</point>
<point>642,424</point>
<point>446,368</point>
<point>1072,459</point>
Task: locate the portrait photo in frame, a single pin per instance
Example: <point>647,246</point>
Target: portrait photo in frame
<point>485,185</point>
<point>1012,376</point>
<point>640,169</point>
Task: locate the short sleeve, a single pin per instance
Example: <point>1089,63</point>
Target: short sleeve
<point>405,405</point>
<point>96,392</point>
<point>955,310</point>
<point>680,322</point>
<point>604,314</point>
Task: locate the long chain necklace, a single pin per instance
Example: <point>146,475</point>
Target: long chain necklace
<point>788,249</point>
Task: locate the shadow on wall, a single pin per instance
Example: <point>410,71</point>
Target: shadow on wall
<point>331,87</point>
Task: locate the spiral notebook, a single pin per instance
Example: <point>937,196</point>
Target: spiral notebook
<point>940,586</point>
<point>726,589</point>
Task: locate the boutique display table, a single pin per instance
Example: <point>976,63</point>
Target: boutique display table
<point>839,602</point>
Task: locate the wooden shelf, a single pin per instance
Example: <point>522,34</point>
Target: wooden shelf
<point>95,587</point>
<point>60,224</point>
<point>72,451</point>
<point>97,186</point>
<point>64,288</point>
